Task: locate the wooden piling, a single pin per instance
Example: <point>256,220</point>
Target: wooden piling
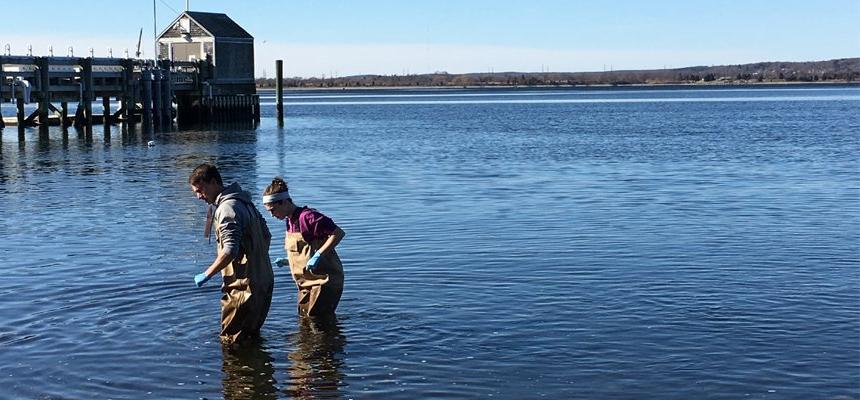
<point>106,131</point>
<point>127,90</point>
<point>279,90</point>
<point>106,110</point>
<point>64,114</point>
<point>80,116</point>
<point>20,106</point>
<point>146,93</point>
<point>201,109</point>
<point>156,97</point>
<point>44,90</point>
<point>210,108</point>
<point>167,95</point>
<point>237,107</point>
<point>88,95</point>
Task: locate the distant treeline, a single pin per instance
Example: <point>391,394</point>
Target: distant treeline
<point>840,70</point>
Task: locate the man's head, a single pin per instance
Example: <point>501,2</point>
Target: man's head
<point>206,182</point>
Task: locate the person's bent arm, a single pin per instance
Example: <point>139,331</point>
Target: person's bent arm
<point>332,241</point>
<point>329,244</point>
<point>230,234</point>
<point>221,261</point>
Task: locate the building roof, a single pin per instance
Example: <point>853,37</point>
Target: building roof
<point>219,25</point>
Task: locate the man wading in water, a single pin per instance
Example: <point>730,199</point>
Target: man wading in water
<point>243,255</point>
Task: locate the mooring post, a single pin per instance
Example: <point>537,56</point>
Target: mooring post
<point>279,90</point>
<point>44,89</point>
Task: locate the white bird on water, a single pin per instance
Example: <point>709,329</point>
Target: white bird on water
<point>150,143</point>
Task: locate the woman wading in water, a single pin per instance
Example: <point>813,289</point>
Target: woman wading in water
<point>311,239</point>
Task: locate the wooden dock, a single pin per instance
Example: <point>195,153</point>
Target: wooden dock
<point>154,93</point>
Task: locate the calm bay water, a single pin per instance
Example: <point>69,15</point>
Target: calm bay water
<point>612,244</point>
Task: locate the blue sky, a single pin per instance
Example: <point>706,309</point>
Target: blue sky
<point>340,38</point>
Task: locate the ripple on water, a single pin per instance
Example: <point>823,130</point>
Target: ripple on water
<point>627,246</point>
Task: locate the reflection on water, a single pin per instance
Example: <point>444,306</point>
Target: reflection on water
<point>248,372</point>
<point>314,364</point>
<point>317,359</point>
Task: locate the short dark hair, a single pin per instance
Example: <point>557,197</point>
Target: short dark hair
<point>205,173</point>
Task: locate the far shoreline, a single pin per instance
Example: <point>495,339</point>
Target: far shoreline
<point>588,86</point>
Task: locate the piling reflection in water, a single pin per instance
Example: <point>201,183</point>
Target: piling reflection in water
<point>317,360</point>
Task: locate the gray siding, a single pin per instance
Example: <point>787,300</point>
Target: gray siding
<point>176,32</point>
<point>234,62</point>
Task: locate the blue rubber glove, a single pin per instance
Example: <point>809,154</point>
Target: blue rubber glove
<point>282,262</point>
<point>200,279</point>
<point>313,261</point>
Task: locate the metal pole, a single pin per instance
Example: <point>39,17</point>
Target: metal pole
<point>154,33</point>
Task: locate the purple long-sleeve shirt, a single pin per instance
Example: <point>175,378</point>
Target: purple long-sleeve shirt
<point>312,224</point>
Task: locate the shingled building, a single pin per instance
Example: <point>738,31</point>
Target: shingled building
<point>194,36</point>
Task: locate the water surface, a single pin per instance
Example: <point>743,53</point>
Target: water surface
<point>613,243</point>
